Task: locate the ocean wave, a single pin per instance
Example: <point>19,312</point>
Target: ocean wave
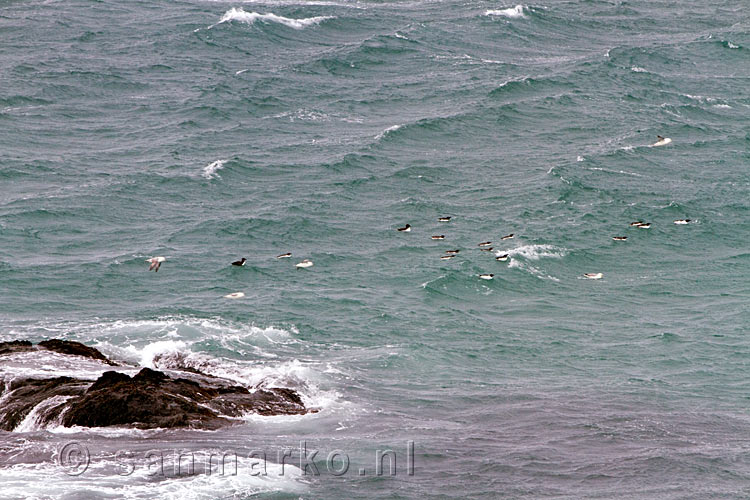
<point>208,480</point>
<point>387,131</point>
<point>293,374</point>
<point>238,14</point>
<point>534,252</point>
<point>209,171</point>
<point>511,12</point>
<point>520,257</point>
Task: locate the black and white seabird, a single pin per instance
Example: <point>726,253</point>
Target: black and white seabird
<point>644,225</point>
<point>486,276</point>
<point>682,221</point>
<point>439,237</point>
<point>452,252</point>
<point>485,244</point>
<point>636,223</point>
<point>239,262</point>
<point>663,141</point>
<point>593,276</point>
<point>619,238</point>
<point>235,295</point>
<point>405,229</point>
<point>284,255</point>
<point>502,258</point>
<point>305,263</point>
<point>488,249</point>
<point>447,257</point>
<point>444,219</point>
<point>507,237</point>
<point>155,263</point>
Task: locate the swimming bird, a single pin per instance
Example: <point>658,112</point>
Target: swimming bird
<point>488,249</point>
<point>239,262</point>
<point>405,229</point>
<point>235,295</point>
<point>663,141</point>
<point>305,263</point>
<point>636,223</point>
<point>619,238</point>
<point>502,258</point>
<point>485,244</point>
<point>439,237</point>
<point>155,263</point>
<point>682,221</point>
<point>444,219</point>
<point>454,252</point>
<point>593,276</point>
<point>284,255</point>
<point>644,225</point>
<point>447,257</point>
<point>486,276</point>
<point>508,237</point>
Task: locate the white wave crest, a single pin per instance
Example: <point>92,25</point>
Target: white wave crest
<point>638,69</point>
<point>238,14</point>
<point>209,171</point>
<point>511,12</point>
<point>387,131</point>
<point>235,478</point>
<point>294,374</point>
<point>534,252</point>
<point>32,420</point>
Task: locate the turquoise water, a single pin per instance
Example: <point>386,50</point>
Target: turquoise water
<point>205,131</point>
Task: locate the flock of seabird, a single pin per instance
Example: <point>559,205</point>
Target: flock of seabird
<point>156,262</point>
<point>486,245</point>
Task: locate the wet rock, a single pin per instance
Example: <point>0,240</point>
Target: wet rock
<point>15,346</point>
<point>149,399</point>
<point>74,348</point>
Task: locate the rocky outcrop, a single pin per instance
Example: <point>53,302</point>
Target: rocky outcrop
<point>149,399</point>
<point>75,349</point>
<point>62,346</point>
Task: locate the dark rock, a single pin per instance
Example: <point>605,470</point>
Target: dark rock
<point>75,348</point>
<point>15,346</point>
<point>152,399</point>
<point>149,399</point>
<point>26,394</point>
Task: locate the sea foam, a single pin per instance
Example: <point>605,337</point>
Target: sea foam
<point>238,14</point>
<point>209,171</point>
<point>511,12</point>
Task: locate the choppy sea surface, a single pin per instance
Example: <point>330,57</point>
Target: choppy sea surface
<point>205,131</point>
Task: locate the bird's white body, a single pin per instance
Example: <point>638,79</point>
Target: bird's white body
<point>486,276</point>
<point>593,276</point>
<point>305,263</point>
<point>235,295</point>
<point>662,142</point>
<point>155,263</point>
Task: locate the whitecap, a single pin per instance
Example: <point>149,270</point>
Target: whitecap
<point>534,252</point>
<point>236,478</point>
<point>511,12</point>
<point>209,171</point>
<point>238,14</point>
<point>387,131</point>
<point>638,69</point>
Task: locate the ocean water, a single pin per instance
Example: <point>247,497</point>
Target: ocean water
<point>205,131</point>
